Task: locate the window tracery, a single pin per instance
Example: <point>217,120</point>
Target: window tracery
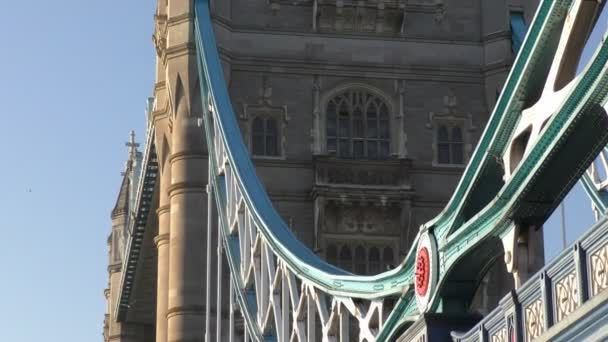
<point>357,126</point>
<point>389,257</point>
<point>345,260</point>
<point>360,259</point>
<point>374,260</point>
<point>331,255</point>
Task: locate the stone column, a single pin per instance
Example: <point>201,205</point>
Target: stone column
<point>162,245</point>
<point>187,239</point>
<point>187,193</point>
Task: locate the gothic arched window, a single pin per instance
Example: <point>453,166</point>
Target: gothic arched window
<point>346,259</point>
<point>457,146</point>
<point>388,258</point>
<point>374,260</point>
<point>264,136</point>
<point>332,254</point>
<point>450,145</point>
<point>360,259</point>
<point>358,126</point>
<point>360,262</point>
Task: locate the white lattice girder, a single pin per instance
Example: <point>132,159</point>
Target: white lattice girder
<point>536,117</point>
<point>285,309</point>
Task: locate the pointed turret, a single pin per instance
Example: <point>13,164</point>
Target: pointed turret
<point>119,234</point>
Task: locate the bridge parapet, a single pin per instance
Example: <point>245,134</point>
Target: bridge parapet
<point>563,298</point>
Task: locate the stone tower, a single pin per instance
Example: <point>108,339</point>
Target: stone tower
<point>359,115</point>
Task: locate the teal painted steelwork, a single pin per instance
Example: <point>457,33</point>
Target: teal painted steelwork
<point>598,197</point>
<point>496,135</point>
<point>483,206</point>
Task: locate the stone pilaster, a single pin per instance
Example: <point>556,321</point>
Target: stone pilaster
<point>162,245</point>
<point>188,200</point>
<point>187,192</point>
<point>187,240</point>
<point>116,330</point>
<point>114,327</point>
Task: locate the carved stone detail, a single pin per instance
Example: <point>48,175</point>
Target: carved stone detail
<point>378,16</point>
<point>534,320</point>
<point>566,296</point>
<point>361,220</point>
<point>440,12</point>
<point>160,35</point>
<point>362,177</point>
<point>451,117</point>
<point>265,107</point>
<point>599,270</point>
<point>450,102</point>
<point>393,174</point>
<point>275,6</point>
<point>355,219</point>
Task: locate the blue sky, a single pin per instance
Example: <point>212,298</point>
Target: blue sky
<point>75,78</point>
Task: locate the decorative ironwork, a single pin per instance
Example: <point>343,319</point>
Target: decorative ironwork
<point>566,296</point>
<point>500,335</point>
<point>422,271</point>
<point>599,270</point>
<point>512,335</point>
<point>595,183</point>
<point>535,320</point>
<point>425,272</point>
<point>421,338</point>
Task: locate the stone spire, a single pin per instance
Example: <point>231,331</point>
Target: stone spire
<point>132,145</point>
<point>134,154</point>
<point>113,329</point>
<point>126,189</point>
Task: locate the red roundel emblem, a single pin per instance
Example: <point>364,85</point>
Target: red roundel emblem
<point>423,271</point>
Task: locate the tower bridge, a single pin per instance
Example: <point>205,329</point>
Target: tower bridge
<point>365,171</point>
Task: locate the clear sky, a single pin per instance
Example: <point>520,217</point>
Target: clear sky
<point>75,76</point>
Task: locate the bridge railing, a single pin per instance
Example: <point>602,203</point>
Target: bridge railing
<point>554,297</point>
